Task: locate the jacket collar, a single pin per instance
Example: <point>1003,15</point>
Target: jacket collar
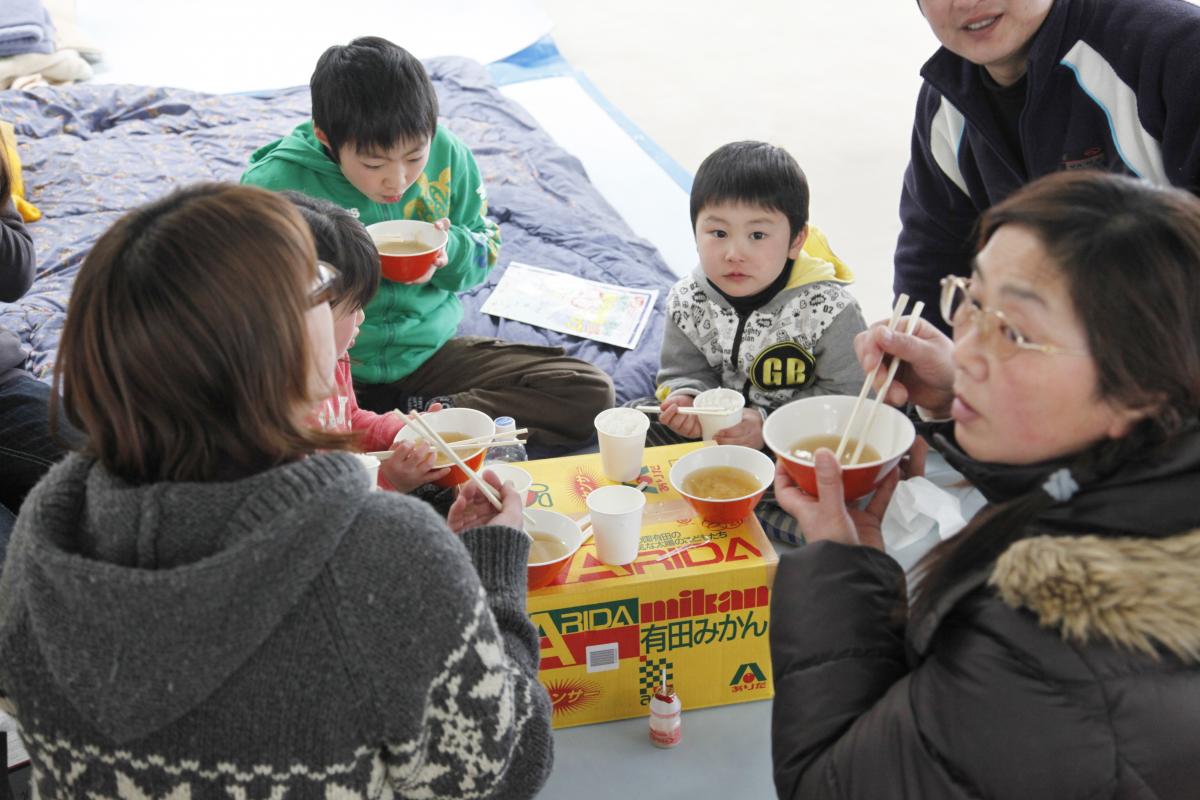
<point>1137,593</point>
<point>958,80</point>
<point>806,269</point>
<point>1144,512</point>
<point>1134,592</point>
<point>1149,494</point>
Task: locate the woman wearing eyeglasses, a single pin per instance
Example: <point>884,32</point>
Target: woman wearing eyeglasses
<point>1052,648</point>
<point>202,603</point>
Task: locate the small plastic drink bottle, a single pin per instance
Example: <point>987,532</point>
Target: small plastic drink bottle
<point>508,452</point>
<point>665,713</point>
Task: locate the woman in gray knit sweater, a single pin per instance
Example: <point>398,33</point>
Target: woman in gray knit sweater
<point>200,604</point>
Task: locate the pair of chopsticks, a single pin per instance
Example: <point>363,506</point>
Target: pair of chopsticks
<point>479,442</point>
<point>432,436</point>
<point>893,365</point>
<point>692,410</point>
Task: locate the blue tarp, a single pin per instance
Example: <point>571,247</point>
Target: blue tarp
<point>92,152</point>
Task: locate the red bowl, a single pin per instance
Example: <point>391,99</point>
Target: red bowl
<point>410,266</point>
<point>461,420</point>
<point>726,455</point>
<point>891,436</point>
<point>567,531</point>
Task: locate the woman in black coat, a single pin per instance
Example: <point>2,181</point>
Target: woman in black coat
<point>1052,648</point>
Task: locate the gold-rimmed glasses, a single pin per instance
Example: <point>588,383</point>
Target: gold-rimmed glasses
<point>960,310</point>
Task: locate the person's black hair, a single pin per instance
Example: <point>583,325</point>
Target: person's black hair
<point>1129,253</point>
<point>755,173</point>
<point>372,95</point>
<point>342,241</point>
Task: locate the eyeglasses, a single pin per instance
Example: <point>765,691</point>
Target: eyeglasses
<point>322,287</point>
<point>961,310</point>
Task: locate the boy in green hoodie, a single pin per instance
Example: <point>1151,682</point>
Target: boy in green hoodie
<point>374,147</point>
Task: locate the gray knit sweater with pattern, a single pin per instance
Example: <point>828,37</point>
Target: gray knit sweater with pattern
<point>288,635</point>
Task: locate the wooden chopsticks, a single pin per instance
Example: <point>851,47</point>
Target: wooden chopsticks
<point>893,366</point>
<point>431,435</point>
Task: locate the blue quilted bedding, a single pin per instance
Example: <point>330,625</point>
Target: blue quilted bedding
<point>92,152</point>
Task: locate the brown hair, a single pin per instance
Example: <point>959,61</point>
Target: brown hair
<point>1130,255</point>
<point>185,353</point>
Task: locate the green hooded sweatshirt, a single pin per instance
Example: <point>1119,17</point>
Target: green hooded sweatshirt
<point>405,324</point>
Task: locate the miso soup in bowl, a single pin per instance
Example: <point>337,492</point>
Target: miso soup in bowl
<point>407,247</point>
<point>556,539</point>
<point>723,483</point>
<point>797,430</point>
<point>454,425</point>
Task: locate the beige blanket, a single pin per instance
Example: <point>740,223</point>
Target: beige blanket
<point>65,65</point>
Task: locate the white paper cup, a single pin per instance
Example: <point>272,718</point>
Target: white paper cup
<point>622,435</point>
<point>616,513</point>
<point>507,473</point>
<point>371,465</point>
<point>710,424</point>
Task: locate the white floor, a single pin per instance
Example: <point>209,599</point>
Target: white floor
<point>834,82</point>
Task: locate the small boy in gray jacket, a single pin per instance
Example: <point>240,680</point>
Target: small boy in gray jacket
<point>766,313</point>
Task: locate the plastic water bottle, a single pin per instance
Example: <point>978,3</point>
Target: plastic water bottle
<point>506,452</point>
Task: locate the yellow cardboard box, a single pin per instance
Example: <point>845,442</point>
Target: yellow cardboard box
<point>607,633</point>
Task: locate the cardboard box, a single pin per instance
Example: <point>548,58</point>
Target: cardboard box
<point>607,633</point>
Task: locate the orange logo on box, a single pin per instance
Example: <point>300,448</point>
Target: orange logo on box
<point>583,483</point>
<point>572,695</point>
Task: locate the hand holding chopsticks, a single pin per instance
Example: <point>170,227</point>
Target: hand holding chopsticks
<point>467,445</point>
<point>430,435</point>
<point>686,410</point>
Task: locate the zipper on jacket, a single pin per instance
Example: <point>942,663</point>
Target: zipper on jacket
<point>737,340</point>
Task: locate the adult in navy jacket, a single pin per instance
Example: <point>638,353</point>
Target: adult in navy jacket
<point>1023,88</point>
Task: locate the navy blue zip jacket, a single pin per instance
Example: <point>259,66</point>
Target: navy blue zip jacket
<point>1112,84</point>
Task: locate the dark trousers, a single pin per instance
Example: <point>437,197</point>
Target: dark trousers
<point>27,448</point>
<point>555,396</point>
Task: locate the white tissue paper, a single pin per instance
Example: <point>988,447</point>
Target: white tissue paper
<point>920,510</point>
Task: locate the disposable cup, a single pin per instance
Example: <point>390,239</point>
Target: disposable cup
<point>507,473</point>
<point>616,513</point>
<point>710,424</point>
<point>622,435</point>
<point>371,465</point>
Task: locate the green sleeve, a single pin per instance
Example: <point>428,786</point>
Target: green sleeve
<point>474,239</point>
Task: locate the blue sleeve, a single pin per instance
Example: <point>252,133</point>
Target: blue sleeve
<point>936,216</point>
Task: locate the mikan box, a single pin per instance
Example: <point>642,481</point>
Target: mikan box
<point>702,614</point>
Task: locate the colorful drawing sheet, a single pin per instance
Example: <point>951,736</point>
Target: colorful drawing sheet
<point>615,315</point>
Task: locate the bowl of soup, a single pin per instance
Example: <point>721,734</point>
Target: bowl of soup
<point>723,483</point>
<point>797,430</point>
<point>407,247</point>
<point>454,425</point>
<point>556,539</point>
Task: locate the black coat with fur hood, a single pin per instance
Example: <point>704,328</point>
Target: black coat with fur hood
<point>1068,668</point>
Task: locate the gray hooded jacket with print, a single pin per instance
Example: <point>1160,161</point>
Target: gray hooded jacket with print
<point>800,343</point>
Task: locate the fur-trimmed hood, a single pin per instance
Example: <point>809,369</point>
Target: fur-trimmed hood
<point>1136,592</point>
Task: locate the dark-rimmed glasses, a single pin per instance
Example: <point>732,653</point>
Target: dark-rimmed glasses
<point>322,287</point>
